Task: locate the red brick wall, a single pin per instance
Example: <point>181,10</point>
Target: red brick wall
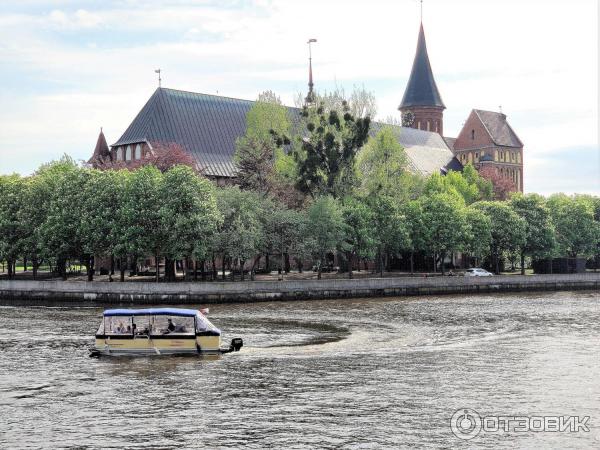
<point>427,114</point>
<point>482,138</point>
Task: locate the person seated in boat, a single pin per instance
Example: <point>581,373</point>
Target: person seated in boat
<point>120,328</point>
<point>170,326</point>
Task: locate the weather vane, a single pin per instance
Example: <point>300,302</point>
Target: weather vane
<point>159,78</point>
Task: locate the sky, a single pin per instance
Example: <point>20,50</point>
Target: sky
<point>68,67</point>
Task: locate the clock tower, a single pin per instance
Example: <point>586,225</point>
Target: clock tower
<point>422,106</point>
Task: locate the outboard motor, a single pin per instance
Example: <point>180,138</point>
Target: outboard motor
<point>236,344</point>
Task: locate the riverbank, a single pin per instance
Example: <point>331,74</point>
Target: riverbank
<point>79,293</point>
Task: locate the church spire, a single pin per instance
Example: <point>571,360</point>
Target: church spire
<point>421,89</point>
<point>310,97</point>
<point>422,106</point>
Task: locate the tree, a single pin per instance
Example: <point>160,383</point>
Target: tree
<point>61,234</point>
<point>360,239</point>
<point>479,233</point>
<point>327,229</point>
<point>502,185</point>
<point>241,235</point>
<point>382,164</point>
<point>413,212</point>
<point>267,126</point>
<point>467,184</point>
<point>577,233</point>
<point>140,229</point>
<point>101,209</point>
<point>326,158</point>
<point>445,225</point>
<point>508,230</point>
<point>12,230</point>
<point>188,214</point>
<point>539,230</point>
<point>390,228</point>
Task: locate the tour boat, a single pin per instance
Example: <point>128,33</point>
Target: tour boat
<point>158,331</point>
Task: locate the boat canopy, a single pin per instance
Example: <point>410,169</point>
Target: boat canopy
<point>152,312</point>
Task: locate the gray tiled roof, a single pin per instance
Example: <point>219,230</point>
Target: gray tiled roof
<point>208,125</point>
<point>498,128</point>
<point>421,89</point>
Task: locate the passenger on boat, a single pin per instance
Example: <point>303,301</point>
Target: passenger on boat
<point>171,326</point>
<point>120,328</point>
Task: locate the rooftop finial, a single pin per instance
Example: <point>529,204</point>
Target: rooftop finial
<point>310,97</point>
<point>159,78</point>
<point>421,11</point>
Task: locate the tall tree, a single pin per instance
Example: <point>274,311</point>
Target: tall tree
<point>539,229</point>
<point>382,164</point>
<point>327,229</point>
<point>479,233</point>
<point>12,230</point>
<point>508,230</point>
<point>360,239</point>
<point>327,155</point>
<point>576,230</point>
<point>188,214</point>
<point>445,225</point>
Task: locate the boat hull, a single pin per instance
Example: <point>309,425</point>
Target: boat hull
<point>159,345</point>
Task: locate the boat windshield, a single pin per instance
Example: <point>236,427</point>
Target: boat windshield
<point>203,324</point>
<point>118,325</point>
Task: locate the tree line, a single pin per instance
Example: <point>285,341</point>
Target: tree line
<point>309,187</point>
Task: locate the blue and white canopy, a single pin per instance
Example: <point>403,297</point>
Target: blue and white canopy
<point>152,312</point>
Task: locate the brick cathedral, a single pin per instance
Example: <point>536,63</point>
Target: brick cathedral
<point>207,127</point>
<point>486,138</point>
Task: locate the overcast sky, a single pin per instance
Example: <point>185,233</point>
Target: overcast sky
<point>69,67</point>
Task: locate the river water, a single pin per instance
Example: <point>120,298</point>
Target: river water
<point>364,373</point>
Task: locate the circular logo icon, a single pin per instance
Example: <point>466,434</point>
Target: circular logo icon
<point>465,423</point>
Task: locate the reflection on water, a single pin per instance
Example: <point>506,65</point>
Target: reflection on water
<point>378,373</point>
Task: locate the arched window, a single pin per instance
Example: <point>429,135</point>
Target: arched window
<point>138,152</point>
<point>472,135</point>
<point>429,125</point>
<point>128,153</point>
<point>419,124</point>
<point>119,154</point>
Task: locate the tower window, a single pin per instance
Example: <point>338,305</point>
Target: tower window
<point>472,135</point>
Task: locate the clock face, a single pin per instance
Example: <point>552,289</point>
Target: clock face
<point>408,119</point>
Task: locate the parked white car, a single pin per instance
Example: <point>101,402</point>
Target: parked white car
<point>477,272</point>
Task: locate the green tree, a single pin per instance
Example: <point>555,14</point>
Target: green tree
<point>189,214</point>
<point>140,229</point>
<point>327,229</point>
<point>326,159</point>
<point>390,228</point>
<point>539,229</point>
<point>576,230</point>
<point>479,233</point>
<point>509,231</point>
<point>12,230</point>
<point>101,207</point>
<point>382,164</point>
<point>360,239</point>
<point>241,235</point>
<point>267,125</point>
<point>445,225</point>
<point>413,212</point>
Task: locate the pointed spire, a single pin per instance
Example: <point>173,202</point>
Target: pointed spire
<point>101,152</point>
<point>310,97</point>
<point>421,89</point>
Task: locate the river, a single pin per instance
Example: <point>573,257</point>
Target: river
<point>362,373</point>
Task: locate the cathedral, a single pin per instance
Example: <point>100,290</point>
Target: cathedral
<point>207,127</point>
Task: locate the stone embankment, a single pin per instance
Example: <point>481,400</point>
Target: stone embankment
<point>85,293</point>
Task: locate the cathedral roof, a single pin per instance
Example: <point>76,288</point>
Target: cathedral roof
<point>208,126</point>
<point>498,128</point>
<point>421,89</point>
